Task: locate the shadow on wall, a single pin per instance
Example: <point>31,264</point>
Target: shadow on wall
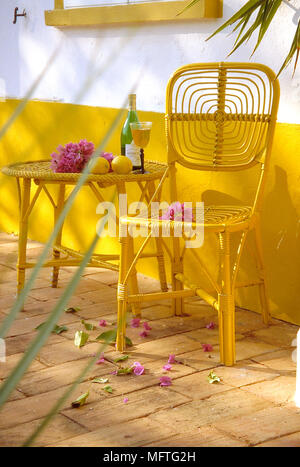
<point>281,226</point>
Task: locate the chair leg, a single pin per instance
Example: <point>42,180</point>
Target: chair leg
<point>56,253</point>
<point>226,305</point>
<point>263,291</point>
<point>134,288</point>
<point>177,267</point>
<point>23,231</point>
<point>122,296</point>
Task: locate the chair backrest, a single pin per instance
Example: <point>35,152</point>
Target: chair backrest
<point>221,116</point>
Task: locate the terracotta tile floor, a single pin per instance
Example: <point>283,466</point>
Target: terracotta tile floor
<point>252,405</point>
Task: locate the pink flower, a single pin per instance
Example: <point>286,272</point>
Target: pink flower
<point>211,325</point>
<point>207,347</point>
<point>171,358</point>
<point>147,327</point>
<point>143,334</point>
<point>165,381</point>
<point>125,400</point>
<point>101,359</point>
<point>167,367</point>
<point>138,369</point>
<point>72,157</point>
<point>102,322</point>
<point>135,323</point>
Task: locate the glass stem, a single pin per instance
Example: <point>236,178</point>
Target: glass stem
<point>142,160</point>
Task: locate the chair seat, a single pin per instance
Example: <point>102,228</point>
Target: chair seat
<point>213,216</point>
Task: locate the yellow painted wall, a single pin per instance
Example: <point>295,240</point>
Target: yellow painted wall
<point>43,125</point>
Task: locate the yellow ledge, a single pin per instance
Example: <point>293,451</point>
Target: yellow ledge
<point>134,13</point>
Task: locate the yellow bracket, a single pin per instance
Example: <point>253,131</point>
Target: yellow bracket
<point>133,13</point>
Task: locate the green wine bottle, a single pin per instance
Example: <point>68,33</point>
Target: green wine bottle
<point>128,148</point>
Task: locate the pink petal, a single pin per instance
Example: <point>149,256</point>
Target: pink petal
<point>138,370</point>
<point>144,334</point>
<point>165,381</point>
<point>167,367</point>
<point>171,358</point>
<point>101,359</point>
<point>135,323</point>
<point>211,325</point>
<point>207,347</point>
<point>125,400</point>
<point>102,323</point>
<point>147,327</point>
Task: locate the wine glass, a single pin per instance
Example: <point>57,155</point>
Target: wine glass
<point>141,135</point>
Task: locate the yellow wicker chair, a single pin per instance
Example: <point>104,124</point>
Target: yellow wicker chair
<point>219,117</point>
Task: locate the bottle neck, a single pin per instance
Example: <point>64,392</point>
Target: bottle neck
<point>132,103</point>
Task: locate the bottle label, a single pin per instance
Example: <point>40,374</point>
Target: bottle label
<point>132,151</point>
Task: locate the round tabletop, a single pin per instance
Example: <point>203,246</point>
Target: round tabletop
<point>40,170</point>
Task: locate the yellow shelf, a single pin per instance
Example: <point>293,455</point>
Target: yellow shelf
<point>132,13</point>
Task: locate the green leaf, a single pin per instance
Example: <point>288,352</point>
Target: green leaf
<point>56,330</point>
<point>80,338</point>
<point>250,6</point>
<point>88,326</point>
<point>72,309</point>
<point>108,336</point>
<point>213,378</point>
<point>100,380</point>
<point>81,400</point>
<point>108,389</point>
<point>121,358</point>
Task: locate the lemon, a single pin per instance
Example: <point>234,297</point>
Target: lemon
<point>121,165</point>
<point>101,167</point>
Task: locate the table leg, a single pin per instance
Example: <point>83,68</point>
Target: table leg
<point>159,249</point>
<point>23,232</point>
<point>57,211</point>
<point>133,282</point>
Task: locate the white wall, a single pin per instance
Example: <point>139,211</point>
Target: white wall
<point>117,57</point>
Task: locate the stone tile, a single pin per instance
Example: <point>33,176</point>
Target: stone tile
<point>14,395</point>
<point>244,373</point>
<point>104,294</point>
<point>137,432</point>
<point>289,441</point>
<point>12,361</point>
<point>249,348</point>
<point>51,378</point>
<point>113,410</point>
<point>207,336</point>
<point>281,335</point>
<point>58,429</point>
<point>200,360</point>
<point>222,406</point>
<point>18,344</point>
<point>269,423</point>
<point>281,361</point>
<point>197,386</point>
<point>27,325</point>
<point>66,351</point>
<point>162,348</point>
<point>279,391</point>
<point>21,411</point>
<point>84,286</point>
<point>203,437</point>
<point>155,312</point>
<point>248,321</point>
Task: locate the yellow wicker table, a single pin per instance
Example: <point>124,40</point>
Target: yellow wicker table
<point>40,174</point>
